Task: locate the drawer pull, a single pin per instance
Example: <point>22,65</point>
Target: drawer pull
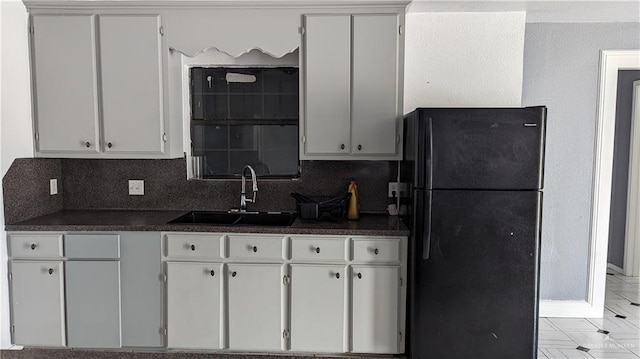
<point>87,144</point>
<point>255,249</point>
<point>337,275</point>
<point>213,273</point>
<point>193,247</point>
<point>50,271</point>
<point>234,274</point>
<point>318,250</point>
<point>359,275</point>
<point>375,251</point>
<point>33,246</point>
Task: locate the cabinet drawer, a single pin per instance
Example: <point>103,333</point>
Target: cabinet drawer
<point>255,247</point>
<point>376,250</point>
<point>193,245</point>
<point>92,246</point>
<point>35,245</point>
<point>318,249</point>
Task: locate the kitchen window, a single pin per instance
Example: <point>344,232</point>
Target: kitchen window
<point>245,116</point>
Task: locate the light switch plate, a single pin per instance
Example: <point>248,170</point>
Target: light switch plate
<point>53,186</point>
<point>136,187</point>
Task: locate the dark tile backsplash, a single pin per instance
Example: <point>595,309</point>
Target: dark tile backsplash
<point>103,184</point>
<point>25,189</point>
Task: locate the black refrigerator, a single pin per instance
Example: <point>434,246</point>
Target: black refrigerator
<point>475,204</point>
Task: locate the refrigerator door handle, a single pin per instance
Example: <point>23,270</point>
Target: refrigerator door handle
<point>426,232</point>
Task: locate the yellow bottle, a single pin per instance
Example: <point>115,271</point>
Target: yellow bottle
<point>353,212</point>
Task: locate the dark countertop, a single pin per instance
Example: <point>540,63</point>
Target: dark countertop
<point>125,220</point>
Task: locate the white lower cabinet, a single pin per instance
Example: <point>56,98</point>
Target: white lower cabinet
<point>318,307</point>
<point>255,306</point>
<point>193,305</point>
<point>37,303</point>
<point>375,309</point>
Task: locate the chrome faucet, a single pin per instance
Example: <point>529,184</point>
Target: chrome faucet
<point>243,195</point>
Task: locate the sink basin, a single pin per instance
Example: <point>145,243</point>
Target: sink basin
<point>236,218</point>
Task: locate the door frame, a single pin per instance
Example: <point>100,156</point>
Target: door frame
<point>610,62</point>
<point>632,232</point>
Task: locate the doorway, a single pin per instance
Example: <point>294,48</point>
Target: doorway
<point>611,62</point>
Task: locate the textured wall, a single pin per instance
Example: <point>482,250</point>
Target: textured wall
<point>618,218</point>
<point>561,64</point>
<point>463,59</point>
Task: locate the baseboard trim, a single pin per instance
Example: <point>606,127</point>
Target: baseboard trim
<point>615,268</point>
<point>569,309</point>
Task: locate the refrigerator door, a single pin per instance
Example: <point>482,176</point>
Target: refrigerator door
<point>484,148</point>
<point>476,296</point>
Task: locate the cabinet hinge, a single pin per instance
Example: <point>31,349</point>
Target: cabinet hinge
<point>164,278</point>
<point>397,139</point>
<point>161,31</point>
<point>37,136</point>
<point>164,332</point>
<point>301,30</point>
<point>400,335</point>
<point>286,334</point>
<point>401,282</point>
<point>286,280</point>
<point>10,276</point>
<point>304,139</point>
<point>400,30</point>
<point>164,137</point>
<point>13,329</point>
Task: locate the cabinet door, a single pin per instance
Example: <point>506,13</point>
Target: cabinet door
<point>37,303</point>
<point>374,111</point>
<point>64,83</point>
<point>255,306</point>
<point>93,304</point>
<point>141,288</point>
<point>131,78</point>
<point>193,305</point>
<point>317,308</point>
<point>374,309</point>
<point>327,64</point>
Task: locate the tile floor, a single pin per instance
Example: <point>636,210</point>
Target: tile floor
<point>616,336</point>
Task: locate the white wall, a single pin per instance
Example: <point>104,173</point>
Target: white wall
<point>463,59</point>
<point>15,121</point>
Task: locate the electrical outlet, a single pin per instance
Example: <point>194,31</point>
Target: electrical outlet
<point>53,186</point>
<point>136,187</point>
<point>393,189</point>
<point>398,189</point>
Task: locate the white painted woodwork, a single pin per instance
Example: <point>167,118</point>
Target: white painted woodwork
<point>196,246</point>
<point>318,249</point>
<point>37,303</point>
<point>35,245</point>
<point>374,88</point>
<point>632,235</point>
<point>255,247</point>
<point>327,72</point>
<point>254,306</point>
<point>318,307</point>
<point>64,83</point>
<point>374,309</point>
<point>193,305</point>
<point>376,250</point>
<point>131,79</point>
<point>93,311</point>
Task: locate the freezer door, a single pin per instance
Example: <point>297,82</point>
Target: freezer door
<point>485,148</point>
<point>476,296</point>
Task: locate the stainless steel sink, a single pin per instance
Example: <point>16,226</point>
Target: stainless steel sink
<point>237,218</point>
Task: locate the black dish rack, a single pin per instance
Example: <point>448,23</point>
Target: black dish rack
<point>322,207</point>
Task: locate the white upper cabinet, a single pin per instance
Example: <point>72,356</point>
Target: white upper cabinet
<point>65,83</point>
<point>352,86</point>
<point>131,78</point>
<point>375,96</point>
<point>98,89</point>
<point>327,67</point>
